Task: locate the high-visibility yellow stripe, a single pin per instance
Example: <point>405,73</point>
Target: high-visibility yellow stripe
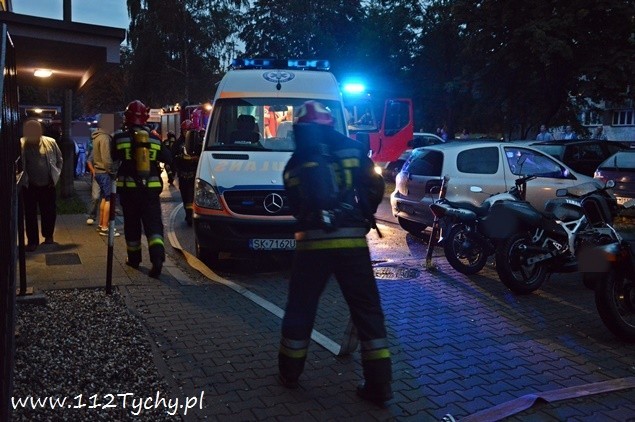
<point>350,163</point>
<point>293,353</point>
<point>154,184</point>
<point>133,248</point>
<point>124,145</point>
<point>155,146</point>
<point>376,354</point>
<point>156,242</point>
<point>331,244</point>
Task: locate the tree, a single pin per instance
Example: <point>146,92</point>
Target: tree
<point>530,57</point>
<point>179,47</point>
<point>325,29</point>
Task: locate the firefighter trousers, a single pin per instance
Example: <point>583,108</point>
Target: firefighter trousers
<point>186,186</point>
<point>353,270</point>
<point>142,211</point>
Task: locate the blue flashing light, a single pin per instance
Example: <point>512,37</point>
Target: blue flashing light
<point>299,64</point>
<point>354,88</point>
<point>308,64</point>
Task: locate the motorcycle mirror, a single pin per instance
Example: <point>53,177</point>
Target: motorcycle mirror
<point>610,184</point>
<point>476,189</point>
<point>562,192</point>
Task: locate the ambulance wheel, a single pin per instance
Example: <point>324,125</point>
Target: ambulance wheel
<point>412,227</point>
<point>208,256</point>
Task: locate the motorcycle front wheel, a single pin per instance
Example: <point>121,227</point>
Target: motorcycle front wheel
<point>615,302</point>
<point>466,253</point>
<point>519,278</point>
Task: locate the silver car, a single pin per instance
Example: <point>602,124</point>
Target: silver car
<point>491,166</point>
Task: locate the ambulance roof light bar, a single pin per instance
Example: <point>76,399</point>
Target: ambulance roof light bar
<point>270,63</point>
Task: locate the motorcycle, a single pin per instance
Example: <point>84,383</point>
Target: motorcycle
<point>465,245</point>
<point>610,270</point>
<point>540,243</point>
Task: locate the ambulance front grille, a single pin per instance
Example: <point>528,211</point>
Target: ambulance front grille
<point>258,202</point>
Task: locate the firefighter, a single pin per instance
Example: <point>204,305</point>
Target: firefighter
<point>169,142</point>
<point>186,152</point>
<point>139,185</point>
<point>334,206</point>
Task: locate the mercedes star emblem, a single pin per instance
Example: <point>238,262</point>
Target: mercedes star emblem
<point>273,203</point>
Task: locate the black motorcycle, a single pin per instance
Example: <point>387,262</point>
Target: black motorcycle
<point>614,284</point>
<point>539,243</point>
<point>465,244</point>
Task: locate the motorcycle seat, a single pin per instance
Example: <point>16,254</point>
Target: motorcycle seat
<point>480,211</point>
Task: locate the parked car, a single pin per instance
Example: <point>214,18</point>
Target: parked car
<point>581,156</point>
<point>491,166</point>
<point>420,139</point>
<point>620,167</point>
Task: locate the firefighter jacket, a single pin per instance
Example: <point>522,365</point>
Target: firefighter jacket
<point>186,159</point>
<point>123,151</point>
<point>360,193</point>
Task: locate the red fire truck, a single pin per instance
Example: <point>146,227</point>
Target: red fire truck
<point>388,128</point>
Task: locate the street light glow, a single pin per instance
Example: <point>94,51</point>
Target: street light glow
<point>42,73</point>
<point>38,110</point>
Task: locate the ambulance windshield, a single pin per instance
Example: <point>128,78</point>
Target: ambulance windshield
<point>259,124</point>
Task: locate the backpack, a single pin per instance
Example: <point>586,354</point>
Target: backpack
<point>329,175</point>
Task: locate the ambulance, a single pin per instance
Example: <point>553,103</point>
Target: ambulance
<point>239,198</point>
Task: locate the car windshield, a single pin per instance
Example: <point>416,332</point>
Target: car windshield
<point>259,124</point>
<point>360,115</point>
<point>619,161</point>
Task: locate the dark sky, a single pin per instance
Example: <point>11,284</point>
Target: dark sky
<point>98,12</point>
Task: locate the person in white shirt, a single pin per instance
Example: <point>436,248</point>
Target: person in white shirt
<point>544,135</point>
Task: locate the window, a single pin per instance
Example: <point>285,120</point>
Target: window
<point>526,162</point>
<point>478,160</point>
<point>259,124</point>
<point>623,118</point>
<point>397,116</point>
<point>591,152</point>
<point>591,118</point>
<point>424,162</point>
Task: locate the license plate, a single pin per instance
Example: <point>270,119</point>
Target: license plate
<point>272,244</point>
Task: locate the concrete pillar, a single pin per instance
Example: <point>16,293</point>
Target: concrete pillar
<point>67,187</point>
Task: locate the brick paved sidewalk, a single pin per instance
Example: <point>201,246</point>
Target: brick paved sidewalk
<point>460,344</point>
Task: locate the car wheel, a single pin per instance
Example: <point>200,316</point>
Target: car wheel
<point>412,227</point>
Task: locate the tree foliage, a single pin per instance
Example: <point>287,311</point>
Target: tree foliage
<point>179,48</point>
<point>486,65</point>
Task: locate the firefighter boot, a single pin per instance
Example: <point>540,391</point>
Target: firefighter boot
<point>375,393</point>
<point>157,255</point>
<point>157,266</point>
<point>134,255</point>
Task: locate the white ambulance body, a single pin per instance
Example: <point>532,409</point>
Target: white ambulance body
<point>240,202</point>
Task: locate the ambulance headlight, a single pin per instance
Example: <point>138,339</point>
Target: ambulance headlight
<point>205,196</point>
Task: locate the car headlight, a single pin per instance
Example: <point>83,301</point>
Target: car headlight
<point>379,170</point>
<point>205,195</point>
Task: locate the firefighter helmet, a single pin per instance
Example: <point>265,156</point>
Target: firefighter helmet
<point>314,112</point>
<point>187,125</point>
<point>136,114</point>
